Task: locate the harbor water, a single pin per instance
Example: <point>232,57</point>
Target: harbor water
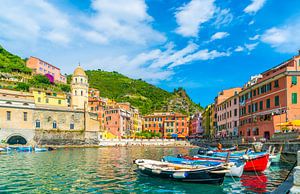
<point>110,170</point>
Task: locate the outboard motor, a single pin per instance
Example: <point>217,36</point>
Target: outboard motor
<point>179,156</point>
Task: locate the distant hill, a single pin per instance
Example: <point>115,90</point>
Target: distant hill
<point>146,97</point>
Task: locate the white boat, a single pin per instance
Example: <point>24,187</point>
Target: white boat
<point>236,171</point>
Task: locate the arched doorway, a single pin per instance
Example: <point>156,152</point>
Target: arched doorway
<point>16,139</point>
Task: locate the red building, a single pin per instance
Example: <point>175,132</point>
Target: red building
<point>270,98</point>
<point>167,123</point>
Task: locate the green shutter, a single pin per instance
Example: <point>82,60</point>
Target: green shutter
<point>276,100</point>
<point>294,80</point>
<point>294,98</point>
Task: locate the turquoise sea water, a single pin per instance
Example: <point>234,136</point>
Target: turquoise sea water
<point>110,170</point>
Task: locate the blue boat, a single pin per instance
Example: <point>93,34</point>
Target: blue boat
<point>37,149</point>
<point>24,149</point>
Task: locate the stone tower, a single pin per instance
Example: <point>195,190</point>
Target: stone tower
<point>79,89</point>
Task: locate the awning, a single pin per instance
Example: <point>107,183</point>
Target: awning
<point>294,123</point>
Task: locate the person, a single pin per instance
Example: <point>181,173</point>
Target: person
<point>219,146</point>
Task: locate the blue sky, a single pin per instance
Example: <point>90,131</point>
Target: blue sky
<point>202,45</point>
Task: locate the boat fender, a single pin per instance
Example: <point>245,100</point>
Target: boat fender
<point>209,153</point>
<point>142,168</point>
<point>179,175</point>
<point>155,171</point>
<point>246,157</point>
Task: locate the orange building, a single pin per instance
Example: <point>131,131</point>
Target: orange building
<point>167,124</point>
<point>97,105</point>
<point>42,67</point>
<point>270,98</point>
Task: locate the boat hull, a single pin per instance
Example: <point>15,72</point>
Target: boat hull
<point>195,176</point>
<point>181,172</point>
<point>258,164</point>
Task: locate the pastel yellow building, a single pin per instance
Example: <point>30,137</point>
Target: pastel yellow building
<point>49,98</point>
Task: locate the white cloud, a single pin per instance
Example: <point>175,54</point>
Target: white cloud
<point>223,17</point>
<point>219,35</point>
<point>157,64</point>
<point>204,54</point>
<point>254,6</point>
<point>251,22</point>
<point>32,20</point>
<point>190,16</point>
<point>284,39</point>
<point>251,47</point>
<point>125,20</point>
<point>254,37</point>
<point>239,49</point>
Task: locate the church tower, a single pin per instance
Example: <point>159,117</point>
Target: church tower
<point>79,89</point>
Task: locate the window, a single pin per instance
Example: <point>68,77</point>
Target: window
<point>255,131</point>
<point>8,115</point>
<point>276,100</point>
<point>59,101</point>
<point>254,92</point>
<point>248,132</point>
<point>294,80</point>
<point>47,100</point>
<point>39,99</point>
<point>261,105</point>
<point>268,103</point>
<point>54,125</point>
<point>81,93</point>
<point>71,125</point>
<point>25,116</point>
<point>294,98</point>
<point>276,84</point>
<point>234,101</point>
<point>37,124</point>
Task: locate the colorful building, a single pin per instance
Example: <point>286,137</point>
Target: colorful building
<point>118,121</point>
<point>196,125</point>
<point>227,109</point>
<point>270,98</point>
<point>50,98</point>
<point>167,123</point>
<point>42,67</point>
<point>209,120</point>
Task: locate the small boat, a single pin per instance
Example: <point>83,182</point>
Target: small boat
<point>236,168</point>
<point>181,172</point>
<point>24,149</point>
<point>257,163</point>
<point>37,149</point>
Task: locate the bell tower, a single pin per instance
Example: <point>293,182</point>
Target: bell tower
<point>79,89</point>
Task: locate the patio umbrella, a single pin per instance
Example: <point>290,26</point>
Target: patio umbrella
<point>295,123</point>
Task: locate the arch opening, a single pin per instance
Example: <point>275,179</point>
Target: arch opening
<point>16,139</point>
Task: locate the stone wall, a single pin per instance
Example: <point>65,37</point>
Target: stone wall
<point>54,137</point>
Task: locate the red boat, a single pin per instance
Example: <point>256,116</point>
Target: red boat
<point>258,164</point>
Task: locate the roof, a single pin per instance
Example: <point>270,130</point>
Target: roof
<point>79,71</point>
<point>45,62</point>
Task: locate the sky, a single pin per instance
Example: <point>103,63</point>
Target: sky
<point>204,46</point>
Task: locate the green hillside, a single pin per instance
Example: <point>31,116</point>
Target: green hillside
<point>148,98</point>
<point>12,63</point>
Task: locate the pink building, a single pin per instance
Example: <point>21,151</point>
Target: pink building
<point>227,110</point>
<point>42,67</point>
<point>196,124</point>
<point>118,121</point>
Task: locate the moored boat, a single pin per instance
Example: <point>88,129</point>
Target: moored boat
<point>181,172</point>
<point>24,149</point>
<point>236,167</point>
<point>37,149</point>
<point>257,163</point>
